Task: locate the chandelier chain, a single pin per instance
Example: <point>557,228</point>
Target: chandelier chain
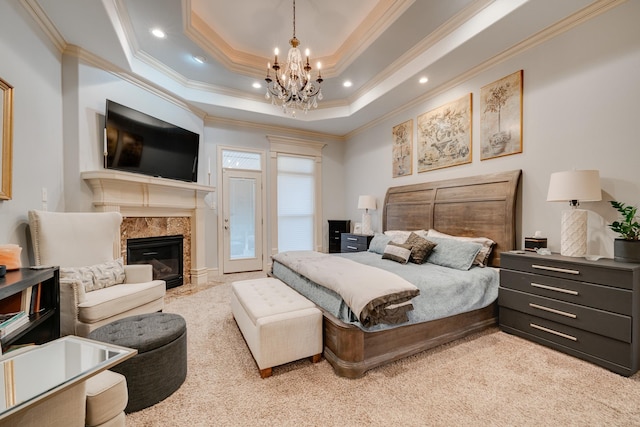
<point>293,88</point>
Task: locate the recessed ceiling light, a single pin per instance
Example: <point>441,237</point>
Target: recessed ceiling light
<point>347,83</point>
<point>256,85</point>
<point>423,80</point>
<point>199,59</point>
<point>158,33</point>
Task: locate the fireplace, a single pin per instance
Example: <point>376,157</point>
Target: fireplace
<point>164,253</point>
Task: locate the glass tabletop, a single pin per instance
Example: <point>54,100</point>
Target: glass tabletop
<point>38,372</point>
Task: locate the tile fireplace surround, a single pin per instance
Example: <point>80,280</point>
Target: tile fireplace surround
<point>144,200</point>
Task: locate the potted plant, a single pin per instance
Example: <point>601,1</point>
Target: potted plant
<point>626,248</point>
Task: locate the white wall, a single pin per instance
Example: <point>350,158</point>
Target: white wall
<point>31,65</point>
<point>581,92</point>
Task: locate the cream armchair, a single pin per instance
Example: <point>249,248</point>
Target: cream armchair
<point>85,239</point>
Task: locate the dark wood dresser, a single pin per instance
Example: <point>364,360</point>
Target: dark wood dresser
<point>589,309</point>
<point>336,228</point>
<point>355,242</point>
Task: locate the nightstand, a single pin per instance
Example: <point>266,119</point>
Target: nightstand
<point>336,228</point>
<point>588,309</point>
<point>350,242</point>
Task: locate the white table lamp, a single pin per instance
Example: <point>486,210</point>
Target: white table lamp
<point>366,203</point>
<point>573,187</point>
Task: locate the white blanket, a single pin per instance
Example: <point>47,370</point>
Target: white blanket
<point>367,290</point>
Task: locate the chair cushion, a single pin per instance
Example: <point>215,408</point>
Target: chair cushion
<point>111,301</point>
<point>107,397</point>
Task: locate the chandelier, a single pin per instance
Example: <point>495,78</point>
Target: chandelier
<point>293,88</point>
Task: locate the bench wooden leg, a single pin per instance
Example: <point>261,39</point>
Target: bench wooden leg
<point>264,373</point>
<point>316,358</point>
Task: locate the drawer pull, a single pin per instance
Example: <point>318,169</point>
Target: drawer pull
<point>556,269</point>
<point>551,331</point>
<point>355,239</point>
<point>352,247</point>
<point>553,288</point>
<point>552,310</point>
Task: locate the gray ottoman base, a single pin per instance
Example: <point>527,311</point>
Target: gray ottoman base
<point>160,367</point>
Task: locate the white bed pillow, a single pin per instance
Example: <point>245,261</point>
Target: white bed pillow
<point>401,236</point>
<point>482,259</point>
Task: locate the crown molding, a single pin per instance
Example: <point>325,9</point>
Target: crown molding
<point>269,129</point>
<point>45,24</point>
<point>583,15</point>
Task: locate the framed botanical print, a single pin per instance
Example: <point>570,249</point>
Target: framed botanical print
<point>402,149</point>
<point>444,136</point>
<point>501,117</point>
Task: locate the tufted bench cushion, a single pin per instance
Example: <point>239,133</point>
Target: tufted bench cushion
<point>278,324</point>
<point>160,367</point>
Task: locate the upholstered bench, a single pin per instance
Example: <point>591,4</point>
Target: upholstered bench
<point>278,324</point>
<point>160,367</point>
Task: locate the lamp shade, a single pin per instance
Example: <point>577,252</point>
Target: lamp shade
<point>582,185</point>
<point>366,202</point>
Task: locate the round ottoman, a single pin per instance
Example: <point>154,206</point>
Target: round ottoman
<point>160,367</point>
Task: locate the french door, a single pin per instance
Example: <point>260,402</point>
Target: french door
<point>242,220</point>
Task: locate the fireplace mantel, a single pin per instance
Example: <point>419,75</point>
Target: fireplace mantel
<point>135,195</point>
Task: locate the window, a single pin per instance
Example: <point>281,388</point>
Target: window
<point>296,207</point>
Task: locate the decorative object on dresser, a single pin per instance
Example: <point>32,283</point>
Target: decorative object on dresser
<point>627,248</point>
<point>366,203</point>
<point>402,149</point>
<point>501,117</point>
<point>336,228</point>
<point>588,309</point>
<point>574,186</point>
<point>355,242</point>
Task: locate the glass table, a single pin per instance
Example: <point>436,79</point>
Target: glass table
<point>40,372</point>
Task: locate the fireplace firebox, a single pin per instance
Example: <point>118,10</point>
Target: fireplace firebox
<point>164,253</point>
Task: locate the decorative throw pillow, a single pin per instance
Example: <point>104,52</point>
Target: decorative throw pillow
<point>107,274</point>
<point>78,274</point>
<point>420,248</point>
<point>482,259</point>
<point>378,243</point>
<point>454,253</point>
<point>97,276</point>
<point>398,252</point>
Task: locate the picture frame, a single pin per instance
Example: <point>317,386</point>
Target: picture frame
<point>402,149</point>
<point>357,228</point>
<point>501,117</point>
<point>6,139</point>
<point>444,135</point>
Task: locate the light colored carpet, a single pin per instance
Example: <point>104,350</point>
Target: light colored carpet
<point>489,379</point>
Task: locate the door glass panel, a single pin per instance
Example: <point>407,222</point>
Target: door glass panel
<point>241,160</point>
<point>242,221</point>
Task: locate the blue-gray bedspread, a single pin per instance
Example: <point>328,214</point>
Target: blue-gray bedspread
<point>444,291</point>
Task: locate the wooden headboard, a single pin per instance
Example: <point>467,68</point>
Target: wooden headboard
<point>476,206</point>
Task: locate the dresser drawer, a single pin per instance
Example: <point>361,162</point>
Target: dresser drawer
<point>550,333</point>
<point>588,294</point>
<point>601,322</point>
<point>604,271</point>
<point>354,242</point>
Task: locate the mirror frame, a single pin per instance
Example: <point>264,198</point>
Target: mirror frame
<point>6,139</point>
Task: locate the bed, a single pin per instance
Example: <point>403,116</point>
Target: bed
<point>477,206</point>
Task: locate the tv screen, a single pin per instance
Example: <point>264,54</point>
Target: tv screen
<point>139,143</point>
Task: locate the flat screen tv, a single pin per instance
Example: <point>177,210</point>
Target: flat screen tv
<point>139,143</point>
